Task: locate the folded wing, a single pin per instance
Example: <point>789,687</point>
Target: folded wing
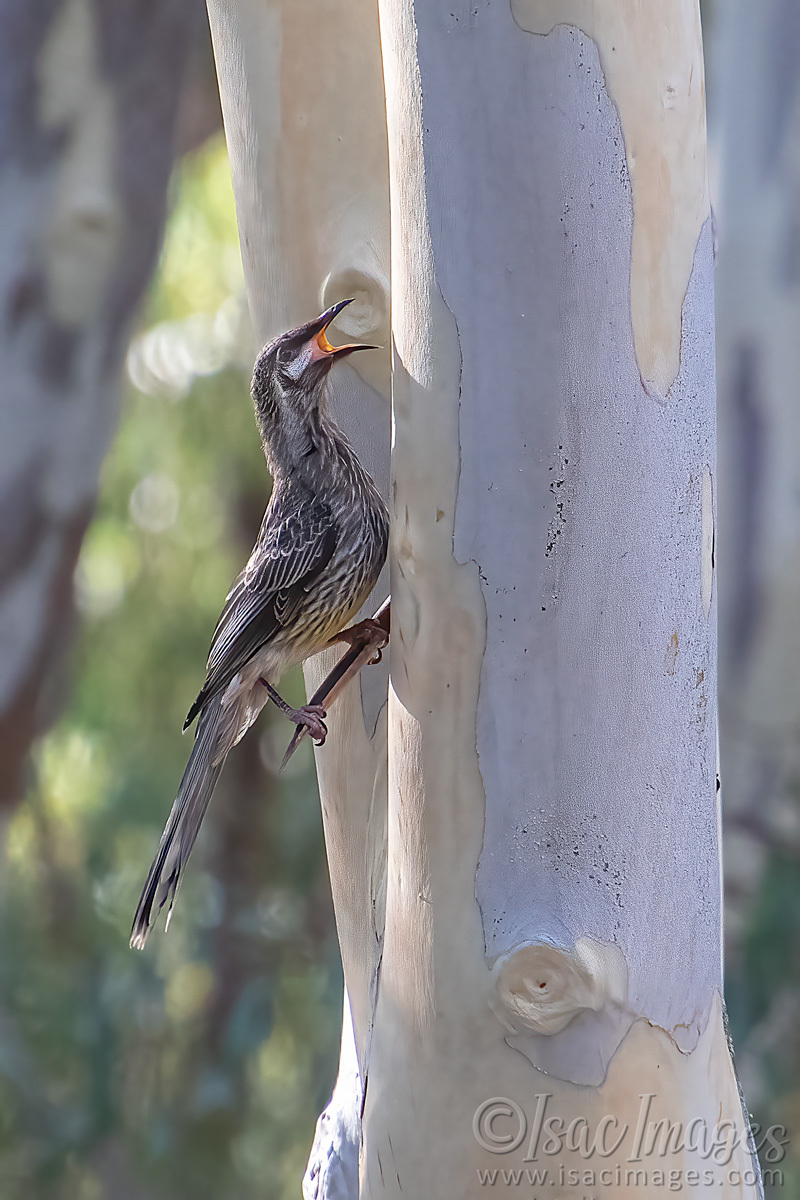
<point>296,543</point>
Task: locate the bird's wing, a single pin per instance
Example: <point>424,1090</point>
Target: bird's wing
<point>296,542</point>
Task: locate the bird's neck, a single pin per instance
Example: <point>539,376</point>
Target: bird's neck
<point>314,452</point>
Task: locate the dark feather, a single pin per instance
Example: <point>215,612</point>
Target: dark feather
<point>180,832</point>
<point>296,542</point>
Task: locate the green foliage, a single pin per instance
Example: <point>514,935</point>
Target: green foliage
<point>197,1068</point>
<point>762,995</point>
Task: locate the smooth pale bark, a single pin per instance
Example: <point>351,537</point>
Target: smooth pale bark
<point>302,100</point>
<point>758,351</point>
<point>553,896</point>
<point>553,920</point>
<point>89,99</point>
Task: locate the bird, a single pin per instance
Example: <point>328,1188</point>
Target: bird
<point>320,549</point>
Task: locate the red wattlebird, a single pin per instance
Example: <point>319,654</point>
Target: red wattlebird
<point>318,555</point>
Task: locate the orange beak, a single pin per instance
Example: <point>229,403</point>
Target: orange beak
<point>321,348</point>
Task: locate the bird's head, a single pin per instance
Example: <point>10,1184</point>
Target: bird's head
<point>290,372</point>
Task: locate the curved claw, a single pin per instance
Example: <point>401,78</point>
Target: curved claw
<point>311,716</point>
<point>318,732</point>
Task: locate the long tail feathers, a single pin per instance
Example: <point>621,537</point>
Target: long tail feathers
<point>199,780</point>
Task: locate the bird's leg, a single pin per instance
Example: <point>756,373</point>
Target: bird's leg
<point>366,637</point>
<point>308,717</point>
<point>367,633</point>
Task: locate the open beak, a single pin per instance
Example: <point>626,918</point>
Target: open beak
<point>321,347</point>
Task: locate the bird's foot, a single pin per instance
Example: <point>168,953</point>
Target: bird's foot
<point>364,639</point>
<point>310,716</point>
<point>366,634</point>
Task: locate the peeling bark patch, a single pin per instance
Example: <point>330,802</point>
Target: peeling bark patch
<point>671,657</point>
<point>654,72</point>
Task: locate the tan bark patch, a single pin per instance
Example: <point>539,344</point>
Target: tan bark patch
<point>652,57</point>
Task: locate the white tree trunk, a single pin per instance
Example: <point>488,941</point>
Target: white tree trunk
<point>90,94</point>
<point>553,914</point>
<point>553,892</point>
<point>302,99</point>
<point>758,127</point>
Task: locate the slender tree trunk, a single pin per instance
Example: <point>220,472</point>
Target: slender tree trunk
<point>89,97</point>
<point>758,127</point>
<point>553,891</point>
<point>302,101</point>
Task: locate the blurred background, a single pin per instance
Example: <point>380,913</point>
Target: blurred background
<point>198,1068</point>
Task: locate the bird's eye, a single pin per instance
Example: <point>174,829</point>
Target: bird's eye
<point>293,363</point>
<point>288,361</point>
